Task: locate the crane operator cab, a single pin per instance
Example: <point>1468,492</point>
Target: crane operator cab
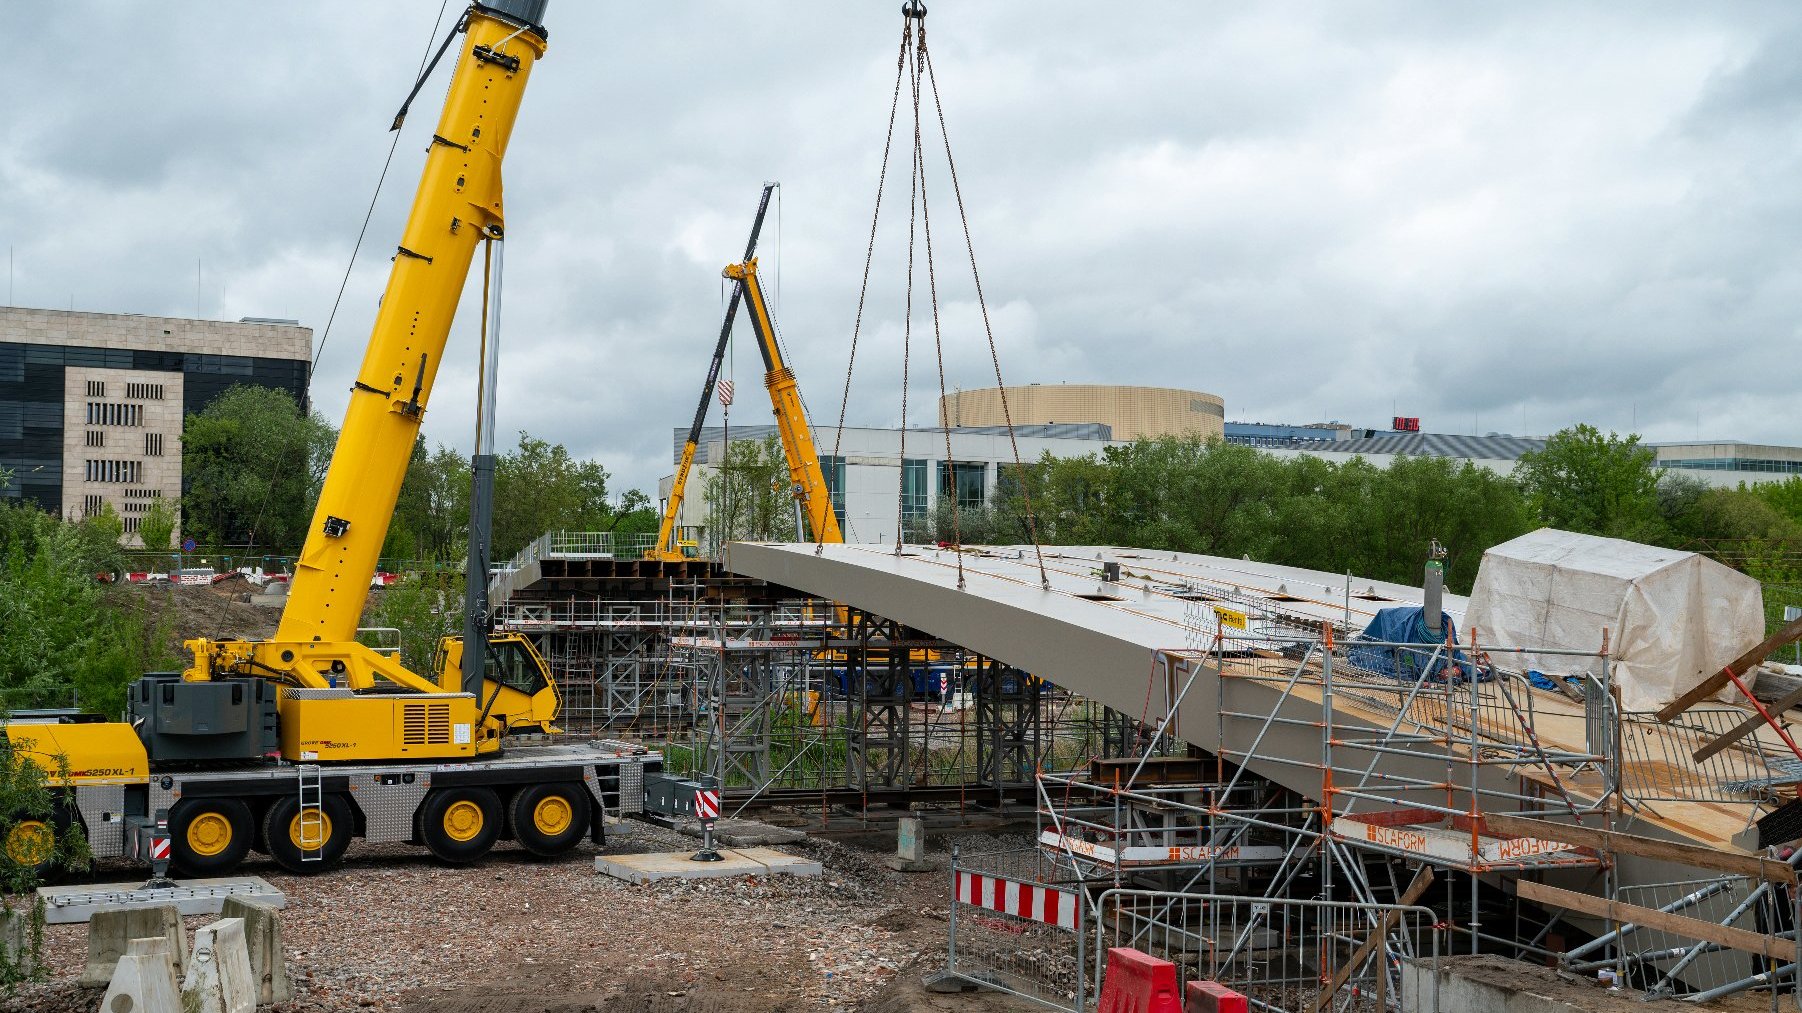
<point>517,689</point>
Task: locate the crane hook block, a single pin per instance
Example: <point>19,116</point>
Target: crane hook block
<point>913,9</point>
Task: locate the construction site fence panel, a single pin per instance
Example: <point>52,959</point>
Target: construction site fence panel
<point>1019,925</point>
<point>1285,956</point>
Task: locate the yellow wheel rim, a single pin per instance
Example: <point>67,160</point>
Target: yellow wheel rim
<point>209,834</point>
<point>463,821</point>
<point>31,842</point>
<point>309,830</point>
<point>553,815</point>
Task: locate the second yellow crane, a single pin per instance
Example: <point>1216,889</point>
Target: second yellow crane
<point>807,481</point>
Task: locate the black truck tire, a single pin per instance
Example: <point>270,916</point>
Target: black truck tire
<point>209,836</point>
<point>285,829</point>
<point>550,819</point>
<point>459,825</point>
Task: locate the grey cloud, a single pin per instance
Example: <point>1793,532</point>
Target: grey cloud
<point>1315,210</point>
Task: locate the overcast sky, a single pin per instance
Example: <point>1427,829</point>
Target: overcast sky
<point>1497,217</point>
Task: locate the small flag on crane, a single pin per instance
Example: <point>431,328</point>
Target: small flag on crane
<point>724,388</point>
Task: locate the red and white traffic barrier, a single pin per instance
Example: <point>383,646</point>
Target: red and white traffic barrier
<point>1031,901</point>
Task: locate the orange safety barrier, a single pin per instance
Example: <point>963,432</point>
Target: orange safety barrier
<point>1213,997</point>
<point>1138,983</point>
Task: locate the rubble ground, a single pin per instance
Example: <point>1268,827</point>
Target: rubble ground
<point>391,929</point>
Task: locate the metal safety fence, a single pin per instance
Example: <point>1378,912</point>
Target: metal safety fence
<point>1285,956</point>
<point>1019,924</point>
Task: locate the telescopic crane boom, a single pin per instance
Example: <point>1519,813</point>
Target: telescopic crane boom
<point>806,480</point>
<point>315,648</point>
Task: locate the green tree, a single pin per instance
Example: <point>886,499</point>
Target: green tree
<point>63,638</point>
<point>540,487</point>
<point>635,514</point>
<point>1600,485</point>
<point>253,464</point>
<point>431,518</point>
<point>425,607</point>
<point>748,497</point>
<point>107,523</point>
<point>157,525</point>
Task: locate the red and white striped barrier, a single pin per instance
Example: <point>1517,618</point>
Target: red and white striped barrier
<point>159,848</point>
<point>707,804</point>
<point>1022,900</point>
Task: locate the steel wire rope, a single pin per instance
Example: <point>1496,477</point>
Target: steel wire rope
<point>982,304</point>
<point>344,282</point>
<point>907,317</point>
<point>938,343</point>
<point>870,249</point>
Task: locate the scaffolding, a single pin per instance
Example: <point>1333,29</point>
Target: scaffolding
<point>1445,780</point>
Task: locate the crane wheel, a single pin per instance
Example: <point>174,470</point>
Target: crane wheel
<point>307,842</point>
<point>209,836</point>
<point>550,819</point>
<point>30,843</point>
<point>460,825</point>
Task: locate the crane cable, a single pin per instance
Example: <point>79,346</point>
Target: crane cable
<point>915,61</point>
<point>869,253</point>
<point>1032,527</point>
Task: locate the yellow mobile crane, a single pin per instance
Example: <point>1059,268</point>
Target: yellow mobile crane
<point>296,744</point>
<point>807,482</point>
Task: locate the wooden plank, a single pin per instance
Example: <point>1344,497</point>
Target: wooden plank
<point>1386,925</point>
<point>1748,726</point>
<point>1646,847</point>
<point>1693,928</point>
<point>1741,665</point>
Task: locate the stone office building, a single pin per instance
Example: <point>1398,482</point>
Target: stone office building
<point>91,404</point>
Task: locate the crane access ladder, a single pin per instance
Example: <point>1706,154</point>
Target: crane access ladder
<point>311,783</point>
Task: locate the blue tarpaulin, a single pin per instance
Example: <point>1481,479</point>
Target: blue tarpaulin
<point>1408,625</point>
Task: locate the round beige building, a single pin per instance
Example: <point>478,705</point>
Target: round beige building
<point>1132,412</point>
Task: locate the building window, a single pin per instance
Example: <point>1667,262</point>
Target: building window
<point>96,437</point>
<point>832,469</point>
<point>131,525</point>
<point>92,505</point>
<point>965,480</point>
<point>916,496</point>
<point>96,388</point>
<point>143,391</point>
<point>153,444</point>
<point>123,472</point>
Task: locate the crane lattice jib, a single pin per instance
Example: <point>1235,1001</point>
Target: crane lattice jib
<point>458,205</point>
<point>666,547</point>
<point>804,473</point>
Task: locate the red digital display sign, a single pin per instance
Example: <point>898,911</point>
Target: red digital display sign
<point>1404,424</point>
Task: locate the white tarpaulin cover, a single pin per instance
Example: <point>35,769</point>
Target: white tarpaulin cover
<point>1673,618</point>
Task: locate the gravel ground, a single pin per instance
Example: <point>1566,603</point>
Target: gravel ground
<point>392,930</point>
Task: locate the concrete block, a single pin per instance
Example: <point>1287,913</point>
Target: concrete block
<point>263,937</point>
<point>649,868</point>
<point>15,939</point>
<point>910,839</point>
<point>142,983</point>
<point>153,946</point>
<point>910,847</point>
<point>110,934</point>
<point>219,978</point>
<point>64,904</point>
<point>1488,985</point>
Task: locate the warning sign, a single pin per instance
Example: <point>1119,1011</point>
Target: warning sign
<point>1230,618</point>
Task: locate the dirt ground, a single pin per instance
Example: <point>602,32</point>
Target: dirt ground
<point>392,930</point>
